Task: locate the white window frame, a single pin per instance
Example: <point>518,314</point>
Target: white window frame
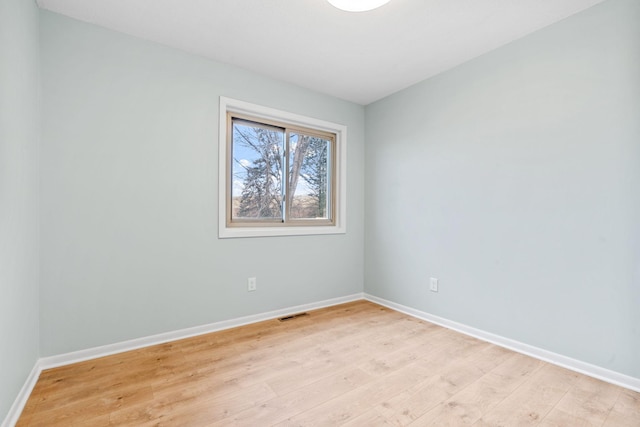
<point>339,226</point>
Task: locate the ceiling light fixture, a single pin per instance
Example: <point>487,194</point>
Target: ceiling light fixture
<point>358,5</point>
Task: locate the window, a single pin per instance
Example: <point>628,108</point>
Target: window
<point>280,173</point>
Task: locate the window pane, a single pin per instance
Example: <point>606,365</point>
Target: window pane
<point>309,176</point>
<point>257,152</point>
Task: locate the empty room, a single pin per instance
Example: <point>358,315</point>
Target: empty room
<point>319,213</point>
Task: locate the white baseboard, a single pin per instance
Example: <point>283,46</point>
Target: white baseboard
<point>18,405</point>
<point>109,349</point>
<point>594,371</point>
<point>106,350</point>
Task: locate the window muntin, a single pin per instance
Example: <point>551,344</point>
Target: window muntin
<point>281,174</point>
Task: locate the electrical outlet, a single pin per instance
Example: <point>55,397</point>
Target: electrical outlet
<point>433,284</point>
<point>252,284</point>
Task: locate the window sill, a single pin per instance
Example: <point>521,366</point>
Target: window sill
<point>236,232</point>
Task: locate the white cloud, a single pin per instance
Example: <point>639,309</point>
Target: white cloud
<point>238,186</point>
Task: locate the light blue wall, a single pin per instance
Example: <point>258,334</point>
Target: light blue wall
<point>129,194</point>
<point>515,180</point>
<point>19,142</point>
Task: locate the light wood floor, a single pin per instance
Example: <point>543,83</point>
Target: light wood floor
<point>356,364</point>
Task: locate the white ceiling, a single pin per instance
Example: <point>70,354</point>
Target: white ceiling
<point>360,57</point>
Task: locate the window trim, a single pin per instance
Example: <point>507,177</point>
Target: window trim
<point>225,230</point>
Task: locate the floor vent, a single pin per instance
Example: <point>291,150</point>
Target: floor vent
<point>293,316</point>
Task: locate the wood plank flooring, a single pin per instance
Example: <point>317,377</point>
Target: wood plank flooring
<point>356,364</point>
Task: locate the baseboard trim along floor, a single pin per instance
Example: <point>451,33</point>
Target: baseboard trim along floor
<point>106,350</point>
<point>134,344</point>
<point>18,405</point>
<point>579,366</point>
